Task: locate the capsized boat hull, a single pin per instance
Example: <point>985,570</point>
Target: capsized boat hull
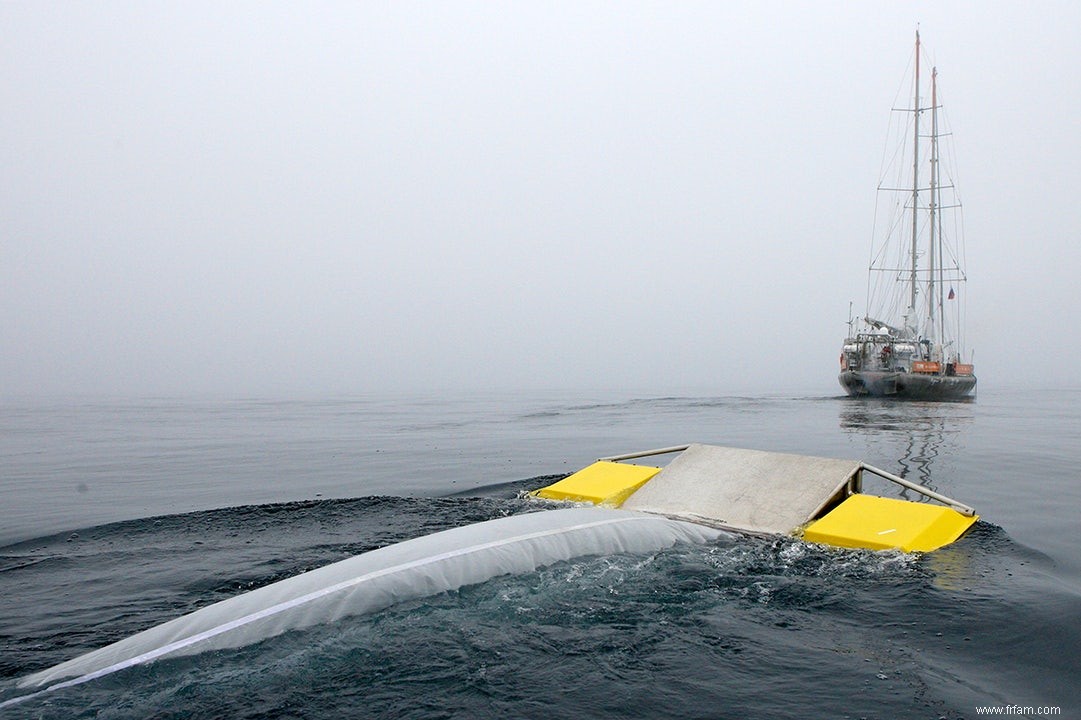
<point>906,385</point>
<point>752,492</point>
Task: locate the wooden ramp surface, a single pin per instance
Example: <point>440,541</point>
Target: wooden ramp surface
<point>747,490</point>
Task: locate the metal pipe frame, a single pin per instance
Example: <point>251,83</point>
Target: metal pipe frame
<point>644,453</point>
<point>926,492</point>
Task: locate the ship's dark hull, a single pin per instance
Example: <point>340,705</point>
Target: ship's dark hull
<point>907,386</point>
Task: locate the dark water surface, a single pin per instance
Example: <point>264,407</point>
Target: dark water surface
<point>119,515</point>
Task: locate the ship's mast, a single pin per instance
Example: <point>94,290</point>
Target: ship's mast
<point>915,180</point>
<point>936,216</point>
<point>932,298</point>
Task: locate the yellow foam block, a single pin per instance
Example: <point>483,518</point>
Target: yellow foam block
<point>878,523</point>
<point>602,483</point>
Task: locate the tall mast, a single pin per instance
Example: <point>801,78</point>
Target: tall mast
<point>936,206</point>
<point>933,299</point>
<point>915,178</point>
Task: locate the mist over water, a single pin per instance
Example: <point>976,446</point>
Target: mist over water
<point>345,197</point>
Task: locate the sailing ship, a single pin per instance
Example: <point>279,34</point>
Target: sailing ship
<point>909,342</point>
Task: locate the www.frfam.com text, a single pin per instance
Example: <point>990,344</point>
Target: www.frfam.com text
<point>1018,710</point>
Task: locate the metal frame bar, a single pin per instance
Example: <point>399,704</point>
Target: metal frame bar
<point>852,485</point>
<point>926,492</point>
<point>644,453</point>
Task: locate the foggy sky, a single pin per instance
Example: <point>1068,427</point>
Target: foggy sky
<point>257,198</point>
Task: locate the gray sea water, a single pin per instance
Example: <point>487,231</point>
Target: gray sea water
<point>119,514</point>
